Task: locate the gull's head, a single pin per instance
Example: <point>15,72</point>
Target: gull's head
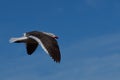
<point>51,34</point>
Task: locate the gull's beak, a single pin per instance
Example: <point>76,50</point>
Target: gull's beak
<point>56,37</point>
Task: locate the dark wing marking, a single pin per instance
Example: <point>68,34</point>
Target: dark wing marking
<point>49,43</point>
<point>31,46</point>
<point>52,47</point>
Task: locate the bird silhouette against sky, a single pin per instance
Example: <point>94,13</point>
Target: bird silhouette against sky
<point>47,41</point>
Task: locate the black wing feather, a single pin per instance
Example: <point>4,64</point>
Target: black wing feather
<point>49,43</point>
<point>52,47</point>
<point>31,46</point>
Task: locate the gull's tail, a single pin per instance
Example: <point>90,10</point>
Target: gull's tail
<point>17,40</point>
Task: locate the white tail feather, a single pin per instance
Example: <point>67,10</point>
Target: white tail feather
<point>17,39</point>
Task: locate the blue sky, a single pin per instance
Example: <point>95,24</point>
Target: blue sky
<point>89,39</point>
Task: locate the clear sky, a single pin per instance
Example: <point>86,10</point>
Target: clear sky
<point>89,39</point>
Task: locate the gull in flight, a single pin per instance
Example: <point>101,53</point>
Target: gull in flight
<point>47,41</point>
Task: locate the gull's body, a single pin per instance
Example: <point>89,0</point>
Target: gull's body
<point>46,40</point>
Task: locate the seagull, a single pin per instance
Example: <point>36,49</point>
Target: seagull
<point>47,41</point>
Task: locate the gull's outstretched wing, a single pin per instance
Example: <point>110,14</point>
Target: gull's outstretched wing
<point>49,45</point>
